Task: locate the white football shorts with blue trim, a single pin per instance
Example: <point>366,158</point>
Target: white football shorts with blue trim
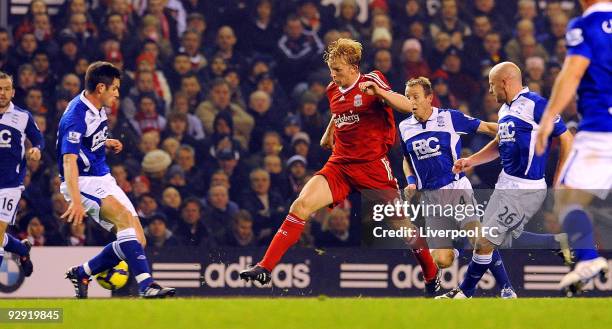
<point>512,204</point>
<point>9,200</point>
<point>95,188</point>
<point>589,165</point>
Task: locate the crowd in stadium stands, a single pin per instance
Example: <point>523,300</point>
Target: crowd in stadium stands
<point>223,101</point>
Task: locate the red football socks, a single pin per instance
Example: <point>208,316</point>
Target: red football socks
<point>420,250</point>
<point>286,236</point>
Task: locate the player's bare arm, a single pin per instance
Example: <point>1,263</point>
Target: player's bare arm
<point>34,154</point>
<point>327,140</point>
<point>487,154</point>
<point>565,145</point>
<point>114,145</point>
<point>563,92</point>
<point>411,187</point>
<point>488,128</point>
<point>75,212</point>
<point>397,101</point>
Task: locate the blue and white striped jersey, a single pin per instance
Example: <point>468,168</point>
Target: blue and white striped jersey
<point>16,125</point>
<point>518,127</point>
<point>432,147</point>
<point>83,131</point>
<point>590,36</point>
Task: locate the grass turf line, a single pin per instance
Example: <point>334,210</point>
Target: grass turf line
<point>333,313</point>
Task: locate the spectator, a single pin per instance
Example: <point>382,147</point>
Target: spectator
<point>296,166</point>
<point>171,204</point>
<point>147,207</point>
<point>298,48</point>
<point>158,235</point>
<point>76,235</point>
<point>120,174</point>
<point>262,29</point>
<point>219,101</point>
<point>144,85</point>
<point>182,104</point>
<point>336,230</point>
<point>186,161</point>
<point>190,231</point>
<point>171,146</point>
<point>383,62</point>
<point>219,212</point>
<point>226,42</point>
<point>7,62</point>
<point>154,166</point>
<point>178,128</point>
<point>265,205</point>
<point>265,117</point>
<point>241,235</point>
<point>414,64</point>
<point>191,45</point>
<point>147,118</point>
<point>449,22</point>
<point>461,84</point>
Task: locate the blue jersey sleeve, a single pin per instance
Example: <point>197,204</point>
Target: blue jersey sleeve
<point>559,127</point>
<point>464,124</point>
<point>33,133</point>
<point>73,132</point>
<point>575,39</point>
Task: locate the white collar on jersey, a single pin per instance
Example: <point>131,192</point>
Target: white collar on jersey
<point>88,103</point>
<point>523,91</point>
<point>11,107</point>
<point>433,116</point>
<point>600,6</point>
<point>344,91</point>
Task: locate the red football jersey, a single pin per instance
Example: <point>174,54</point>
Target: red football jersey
<point>364,128</point>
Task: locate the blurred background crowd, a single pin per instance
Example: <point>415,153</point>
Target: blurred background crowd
<point>223,101</point>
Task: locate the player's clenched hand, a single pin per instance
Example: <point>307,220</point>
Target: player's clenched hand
<point>34,154</point>
<point>462,164</point>
<point>410,191</point>
<point>74,214</point>
<point>369,88</point>
<point>546,128</point>
<point>114,145</point>
<point>328,142</point>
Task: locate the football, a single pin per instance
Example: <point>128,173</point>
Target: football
<point>114,278</point>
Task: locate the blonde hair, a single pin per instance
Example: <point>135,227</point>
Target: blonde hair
<point>346,49</point>
<point>423,82</point>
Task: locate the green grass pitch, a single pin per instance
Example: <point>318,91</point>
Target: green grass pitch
<point>315,313</point>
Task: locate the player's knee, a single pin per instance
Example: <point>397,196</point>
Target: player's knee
<point>443,258</point>
<point>301,208</point>
<point>483,246</point>
<point>142,240</point>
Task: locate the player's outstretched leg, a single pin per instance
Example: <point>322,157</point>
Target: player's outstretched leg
<point>315,195</point>
<point>420,250</point>
<point>481,262</point>
<point>558,242</point>
<point>21,248</point>
<point>80,275</point>
<point>498,270</point>
<point>128,247</point>
<point>589,264</point>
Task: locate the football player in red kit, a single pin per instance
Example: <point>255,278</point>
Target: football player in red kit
<point>361,131</point>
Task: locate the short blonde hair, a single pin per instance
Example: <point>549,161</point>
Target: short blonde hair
<point>423,82</point>
<point>346,49</point>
